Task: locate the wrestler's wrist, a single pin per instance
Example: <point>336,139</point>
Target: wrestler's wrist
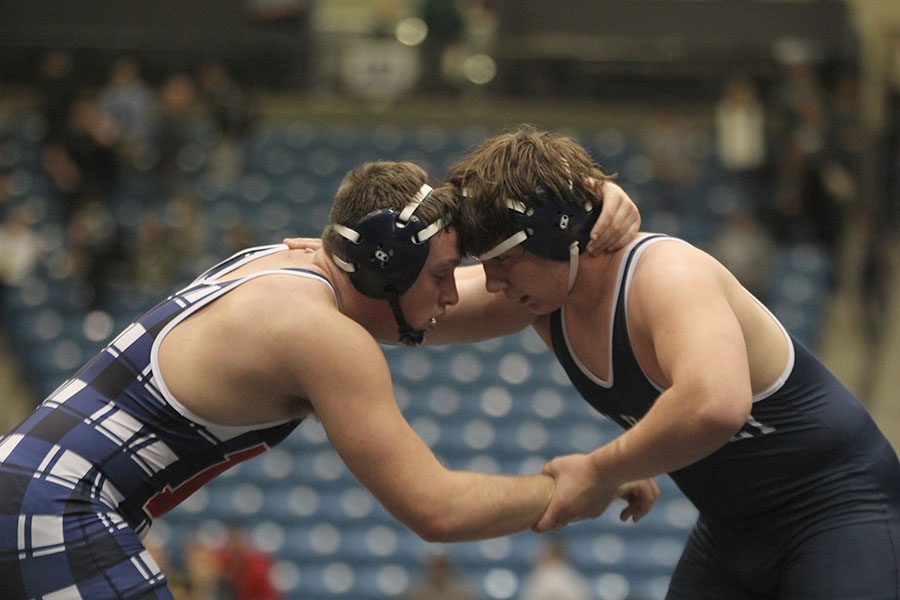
<point>549,485</point>
<point>607,467</point>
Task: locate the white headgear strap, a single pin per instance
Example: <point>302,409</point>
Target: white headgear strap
<point>403,218</point>
<point>513,240</point>
<point>522,235</point>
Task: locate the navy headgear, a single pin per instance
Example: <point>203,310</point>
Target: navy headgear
<point>548,228</point>
<point>556,229</point>
<point>385,252</point>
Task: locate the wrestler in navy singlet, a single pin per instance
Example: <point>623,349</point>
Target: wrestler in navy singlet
<point>111,449</point>
<point>803,503</point>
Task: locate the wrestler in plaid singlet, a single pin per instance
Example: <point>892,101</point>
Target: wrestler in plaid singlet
<point>82,478</point>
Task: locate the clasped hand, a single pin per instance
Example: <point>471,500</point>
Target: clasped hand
<point>583,493</point>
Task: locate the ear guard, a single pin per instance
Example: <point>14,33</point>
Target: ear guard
<point>386,249</point>
<point>553,228</point>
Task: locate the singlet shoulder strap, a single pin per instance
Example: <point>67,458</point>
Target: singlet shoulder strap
<point>311,275</point>
<point>559,335</point>
<point>634,251</point>
<point>194,300</point>
<point>557,329</point>
<point>237,259</point>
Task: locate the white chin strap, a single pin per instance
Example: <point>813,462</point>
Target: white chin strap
<point>522,235</point>
<point>573,265</point>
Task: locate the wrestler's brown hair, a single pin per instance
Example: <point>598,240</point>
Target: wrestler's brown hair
<point>513,165</point>
<point>384,184</point>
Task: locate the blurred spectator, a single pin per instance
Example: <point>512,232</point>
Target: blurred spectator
<point>156,260</point>
<point>380,69</point>
<point>798,89</point>
<point>878,265</point>
<point>844,143</point>
<point>176,104</point>
<point>170,244</point>
<point>229,108</point>
<point>225,100</point>
<point>57,89</point>
<point>244,571</point>
<point>554,578</point>
<point>671,149</point>
<point>877,268</point>
<point>846,138</point>
<point>440,581</point>
<point>202,571</point>
<point>824,185</point>
<point>129,102</point>
<point>747,249</point>
<point>84,164</point>
<point>84,168</point>
<point>188,234</point>
<point>890,144</point>
<point>20,247</point>
<point>812,188</point>
<point>740,126</point>
<point>95,248</point>
<point>671,145</point>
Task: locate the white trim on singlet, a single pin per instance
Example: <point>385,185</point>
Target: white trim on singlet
<point>628,277</point>
<point>789,367</point>
<point>612,319</point>
<point>251,255</point>
<point>218,429</point>
<point>626,280</point>
<point>213,277</point>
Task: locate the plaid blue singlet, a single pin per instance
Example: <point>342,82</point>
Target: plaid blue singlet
<point>82,478</point>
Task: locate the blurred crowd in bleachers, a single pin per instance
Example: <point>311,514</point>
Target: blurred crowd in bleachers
<point>112,196</point>
<point>787,166</point>
<point>94,144</point>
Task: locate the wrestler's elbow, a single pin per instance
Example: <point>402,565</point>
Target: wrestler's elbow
<point>433,527</point>
<point>724,411</point>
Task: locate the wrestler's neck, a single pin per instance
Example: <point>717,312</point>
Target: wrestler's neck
<point>595,281</point>
<point>372,314</point>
